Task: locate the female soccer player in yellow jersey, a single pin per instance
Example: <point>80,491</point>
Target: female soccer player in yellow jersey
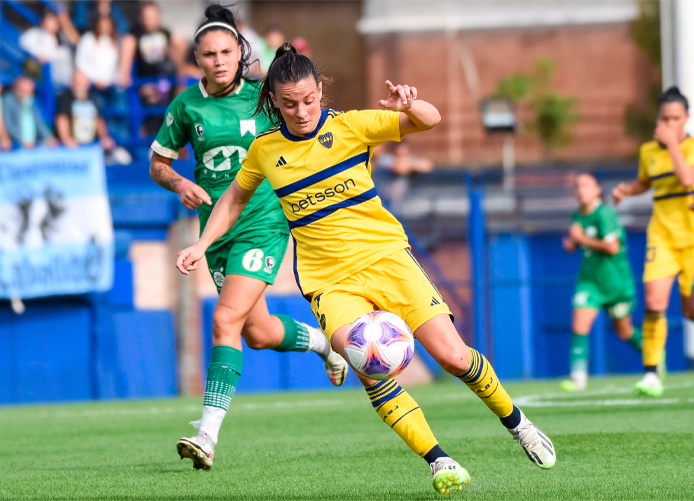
<point>352,256</point>
<point>665,164</point>
<point>216,116</point>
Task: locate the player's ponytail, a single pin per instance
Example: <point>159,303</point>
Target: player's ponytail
<point>673,95</point>
<point>219,18</point>
<point>287,67</point>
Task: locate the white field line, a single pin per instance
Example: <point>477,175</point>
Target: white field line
<point>540,400</point>
<point>529,402</point>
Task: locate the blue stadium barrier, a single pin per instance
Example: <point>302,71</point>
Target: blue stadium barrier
<point>532,286</point>
<point>267,370</point>
<point>47,354</point>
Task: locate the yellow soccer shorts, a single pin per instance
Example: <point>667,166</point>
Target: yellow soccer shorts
<point>664,260</point>
<point>397,283</point>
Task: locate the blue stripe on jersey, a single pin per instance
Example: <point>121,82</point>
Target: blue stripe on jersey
<point>660,176</point>
<point>673,195</point>
<point>320,214</point>
<point>322,175</point>
<point>292,137</point>
<point>267,132</point>
<point>296,270</point>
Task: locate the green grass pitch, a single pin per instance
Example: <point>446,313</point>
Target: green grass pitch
<point>332,446</point>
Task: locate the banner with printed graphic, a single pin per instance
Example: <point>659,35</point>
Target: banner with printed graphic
<point>56,232</point>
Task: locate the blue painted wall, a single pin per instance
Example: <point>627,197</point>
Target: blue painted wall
<point>532,283</point>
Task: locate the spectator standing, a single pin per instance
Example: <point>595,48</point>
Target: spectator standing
<point>153,50</point>
<point>274,38</point>
<point>5,141</point>
<point>78,121</point>
<point>22,117</point>
<point>97,53</point>
<point>43,43</point>
<point>87,11</point>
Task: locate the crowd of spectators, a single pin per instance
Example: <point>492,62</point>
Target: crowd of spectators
<point>94,53</point>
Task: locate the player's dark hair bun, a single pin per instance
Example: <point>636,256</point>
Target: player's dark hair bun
<point>216,12</point>
<point>673,95</point>
<point>288,66</point>
<point>285,48</point>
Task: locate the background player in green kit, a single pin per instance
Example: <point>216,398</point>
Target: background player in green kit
<point>217,118</point>
<point>604,280</point>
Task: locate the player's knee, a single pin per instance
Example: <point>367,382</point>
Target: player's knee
<point>455,361</point>
<point>224,321</point>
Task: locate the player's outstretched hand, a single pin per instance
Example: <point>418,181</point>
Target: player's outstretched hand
<point>400,97</point>
<point>188,258</point>
<point>620,192</point>
<point>192,196</point>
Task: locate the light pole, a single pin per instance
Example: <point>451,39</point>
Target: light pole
<point>498,117</point>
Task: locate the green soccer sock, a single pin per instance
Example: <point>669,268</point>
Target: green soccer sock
<point>222,376</point>
<point>296,335</point>
<point>636,340</point>
<point>579,352</point>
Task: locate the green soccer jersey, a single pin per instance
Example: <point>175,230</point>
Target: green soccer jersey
<point>609,274</point>
<point>221,130</point>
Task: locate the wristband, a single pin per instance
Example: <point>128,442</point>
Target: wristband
<point>185,181</point>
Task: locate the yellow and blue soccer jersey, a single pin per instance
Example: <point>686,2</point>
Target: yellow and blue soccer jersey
<point>323,181</point>
<point>672,221</point>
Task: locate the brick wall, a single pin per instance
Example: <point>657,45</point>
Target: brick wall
<point>599,65</point>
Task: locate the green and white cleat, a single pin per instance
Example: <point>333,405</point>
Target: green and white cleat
<point>336,368</point>
<point>198,448</point>
<point>449,476</point>
<point>650,385</point>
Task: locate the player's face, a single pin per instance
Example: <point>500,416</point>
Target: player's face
<point>673,115</point>
<point>218,54</point>
<point>299,104</point>
<point>587,190</point>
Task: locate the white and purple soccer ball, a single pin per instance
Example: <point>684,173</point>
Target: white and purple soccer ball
<point>379,345</point>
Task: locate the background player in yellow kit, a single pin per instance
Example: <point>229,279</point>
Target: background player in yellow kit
<point>352,256</point>
<point>666,165</point>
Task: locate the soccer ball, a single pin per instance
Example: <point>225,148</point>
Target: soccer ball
<point>379,345</point>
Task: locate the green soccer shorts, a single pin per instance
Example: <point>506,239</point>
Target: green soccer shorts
<point>618,305</point>
<point>255,255</point>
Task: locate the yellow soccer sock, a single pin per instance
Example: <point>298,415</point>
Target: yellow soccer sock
<point>481,379</point>
<point>399,411</point>
<point>654,337</point>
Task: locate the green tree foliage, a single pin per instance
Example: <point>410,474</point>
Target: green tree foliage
<point>645,30</point>
<point>554,113</point>
<point>639,121</point>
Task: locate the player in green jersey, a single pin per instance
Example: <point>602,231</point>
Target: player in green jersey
<point>217,117</point>
<point>604,280</point>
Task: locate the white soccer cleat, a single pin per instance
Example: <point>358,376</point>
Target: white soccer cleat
<point>537,446</point>
<point>198,448</point>
<point>449,476</point>
<point>336,368</point>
